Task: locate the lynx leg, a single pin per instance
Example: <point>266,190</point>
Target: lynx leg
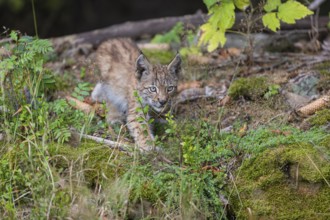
<point>114,115</point>
<point>140,131</point>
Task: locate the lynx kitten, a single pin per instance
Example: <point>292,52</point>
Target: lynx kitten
<point>125,70</point>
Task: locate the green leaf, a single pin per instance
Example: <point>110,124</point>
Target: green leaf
<point>208,32</point>
<point>242,4</point>
<point>223,16</point>
<point>291,11</point>
<point>173,36</point>
<point>227,18</point>
<point>146,109</point>
<point>271,21</point>
<point>218,38</point>
<point>13,35</point>
<point>210,3</point>
<point>84,93</point>
<point>272,5</point>
<point>77,90</point>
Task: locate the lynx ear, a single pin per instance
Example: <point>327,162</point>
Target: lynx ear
<point>175,66</point>
<point>142,66</point>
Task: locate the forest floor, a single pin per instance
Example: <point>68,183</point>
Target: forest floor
<point>270,110</point>
<point>248,139</point>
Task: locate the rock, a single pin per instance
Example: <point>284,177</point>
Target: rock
<point>305,84</point>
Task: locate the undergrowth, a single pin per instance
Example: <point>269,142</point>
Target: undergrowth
<point>44,176</point>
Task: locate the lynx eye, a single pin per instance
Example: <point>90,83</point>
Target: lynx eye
<point>152,88</point>
<point>170,88</point>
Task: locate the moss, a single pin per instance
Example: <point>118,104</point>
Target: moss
<point>146,191</point>
<point>287,182</point>
<point>320,118</point>
<point>98,162</point>
<point>159,56</point>
<point>324,84</point>
<point>250,88</point>
<point>324,68</point>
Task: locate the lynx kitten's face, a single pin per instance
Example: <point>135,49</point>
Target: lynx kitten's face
<point>157,84</point>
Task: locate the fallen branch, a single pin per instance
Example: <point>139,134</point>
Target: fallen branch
<point>309,62</point>
<point>191,94</point>
<point>129,29</point>
<point>154,26</point>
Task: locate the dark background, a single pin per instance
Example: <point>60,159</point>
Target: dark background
<point>62,17</point>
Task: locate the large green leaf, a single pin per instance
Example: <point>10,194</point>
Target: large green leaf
<point>222,17</point>
<point>272,5</point>
<point>216,39</point>
<point>208,32</point>
<point>271,21</point>
<point>227,15</point>
<point>291,11</point>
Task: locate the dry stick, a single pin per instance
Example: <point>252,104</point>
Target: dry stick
<point>269,68</point>
<point>315,4</point>
<point>111,144</point>
<point>306,63</point>
<point>191,94</point>
<point>122,147</point>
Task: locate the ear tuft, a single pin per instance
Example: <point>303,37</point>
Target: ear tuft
<point>142,66</point>
<point>175,66</point>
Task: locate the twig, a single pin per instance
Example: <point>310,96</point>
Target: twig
<point>268,68</point>
<point>315,4</point>
<point>199,93</point>
<point>308,63</point>
<point>5,40</point>
<point>111,144</point>
<point>124,147</point>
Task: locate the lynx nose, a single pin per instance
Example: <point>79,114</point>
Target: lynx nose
<point>162,102</point>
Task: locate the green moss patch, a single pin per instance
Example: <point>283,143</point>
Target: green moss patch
<point>324,68</point>
<point>320,118</point>
<point>288,182</point>
<point>250,88</point>
<point>94,161</point>
<point>159,56</point>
